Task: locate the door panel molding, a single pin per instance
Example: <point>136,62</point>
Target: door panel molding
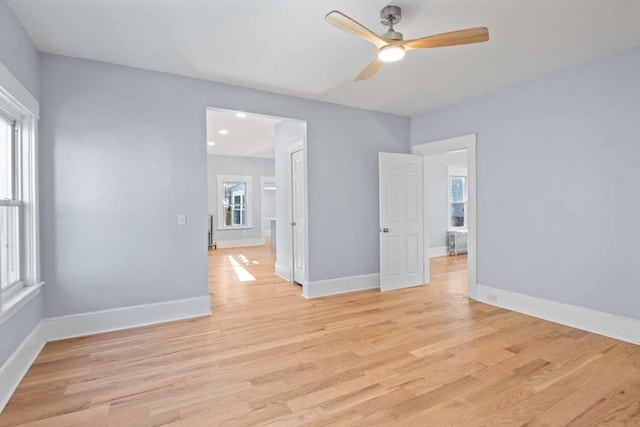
<point>401,221</point>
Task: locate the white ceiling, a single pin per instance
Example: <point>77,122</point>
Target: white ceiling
<point>251,136</point>
<point>285,46</point>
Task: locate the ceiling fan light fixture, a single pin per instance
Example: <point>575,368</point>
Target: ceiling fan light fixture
<point>391,53</point>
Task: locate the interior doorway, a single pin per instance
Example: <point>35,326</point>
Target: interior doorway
<point>249,199</point>
<point>449,167</point>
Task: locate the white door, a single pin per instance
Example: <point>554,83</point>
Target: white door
<point>401,221</point>
<point>297,215</point>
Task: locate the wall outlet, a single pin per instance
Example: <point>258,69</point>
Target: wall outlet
<point>492,298</point>
<point>182,219</point>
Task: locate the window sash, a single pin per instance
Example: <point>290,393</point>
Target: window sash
<point>233,209</point>
<point>11,170</point>
<point>11,237</point>
<point>454,172</point>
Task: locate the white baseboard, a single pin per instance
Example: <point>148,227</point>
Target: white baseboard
<point>283,272</point>
<point>438,251</point>
<point>598,322</point>
<point>78,325</point>
<point>341,285</point>
<point>239,243</point>
<point>15,368</point>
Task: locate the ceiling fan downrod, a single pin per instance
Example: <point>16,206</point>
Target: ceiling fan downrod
<point>391,15</point>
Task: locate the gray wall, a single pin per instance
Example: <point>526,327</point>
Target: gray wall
<point>230,165</point>
<point>437,193</point>
<point>19,55</point>
<point>558,180</point>
<point>17,52</point>
<point>123,153</point>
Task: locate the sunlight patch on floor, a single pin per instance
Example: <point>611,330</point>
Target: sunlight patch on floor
<point>241,272</point>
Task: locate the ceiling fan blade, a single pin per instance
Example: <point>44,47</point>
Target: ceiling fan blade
<point>369,70</point>
<point>468,36</point>
<point>343,22</point>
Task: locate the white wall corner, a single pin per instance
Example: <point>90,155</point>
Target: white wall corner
<point>598,322</point>
<point>341,285</point>
<point>283,273</point>
<point>438,251</point>
<point>78,325</point>
<point>15,368</point>
<point>240,243</point>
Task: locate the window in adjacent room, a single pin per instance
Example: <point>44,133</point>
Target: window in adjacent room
<point>457,193</point>
<point>234,201</point>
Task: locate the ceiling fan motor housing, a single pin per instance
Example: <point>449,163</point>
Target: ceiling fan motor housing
<point>391,15</point>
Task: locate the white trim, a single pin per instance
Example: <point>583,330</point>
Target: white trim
<point>264,180</point>
<point>438,251</point>
<point>18,300</point>
<point>79,325</point>
<point>465,142</point>
<point>240,243</point>
<point>598,322</point>
<point>266,228</point>
<point>283,273</point>
<point>11,88</point>
<point>341,285</point>
<point>15,368</point>
<point>446,145</point>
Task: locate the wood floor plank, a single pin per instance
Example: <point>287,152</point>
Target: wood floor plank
<point>268,356</point>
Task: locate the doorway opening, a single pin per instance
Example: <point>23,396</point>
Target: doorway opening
<point>450,208</point>
<point>250,198</point>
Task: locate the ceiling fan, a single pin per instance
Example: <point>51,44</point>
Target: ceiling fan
<point>391,46</point>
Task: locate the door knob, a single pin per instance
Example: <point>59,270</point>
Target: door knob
<point>385,230</point>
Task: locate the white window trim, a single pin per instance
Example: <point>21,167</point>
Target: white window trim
<point>16,101</point>
<point>248,181</point>
<point>457,171</point>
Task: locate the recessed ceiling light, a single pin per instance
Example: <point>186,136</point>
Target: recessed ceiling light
<point>241,115</point>
<point>211,143</point>
<point>223,131</point>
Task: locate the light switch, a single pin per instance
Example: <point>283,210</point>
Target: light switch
<point>182,219</point>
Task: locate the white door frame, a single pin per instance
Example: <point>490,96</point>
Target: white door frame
<point>464,142</point>
<point>264,180</point>
<point>298,146</point>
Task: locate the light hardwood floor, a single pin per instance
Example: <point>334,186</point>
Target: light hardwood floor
<point>425,356</point>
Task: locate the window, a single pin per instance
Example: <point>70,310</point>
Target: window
<point>234,204</point>
<point>457,193</point>
<point>10,207</point>
<point>19,242</point>
<point>234,201</point>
